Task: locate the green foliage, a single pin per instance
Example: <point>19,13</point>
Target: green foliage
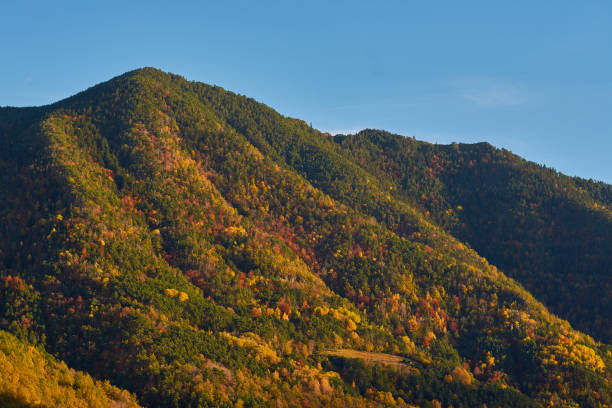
<point>198,249</point>
<point>549,231</point>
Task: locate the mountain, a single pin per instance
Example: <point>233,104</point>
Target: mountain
<point>196,248</point>
<point>548,231</point>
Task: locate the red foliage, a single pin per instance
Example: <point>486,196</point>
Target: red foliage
<point>284,306</point>
<point>14,282</point>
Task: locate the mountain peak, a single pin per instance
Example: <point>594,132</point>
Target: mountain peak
<point>197,248</point>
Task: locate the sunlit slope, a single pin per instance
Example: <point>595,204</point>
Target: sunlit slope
<point>31,377</point>
<point>199,249</point>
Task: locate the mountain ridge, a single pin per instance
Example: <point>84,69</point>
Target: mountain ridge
<point>194,236</point>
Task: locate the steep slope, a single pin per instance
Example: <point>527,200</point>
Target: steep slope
<point>199,249</point>
<point>549,231</point>
<point>34,378</point>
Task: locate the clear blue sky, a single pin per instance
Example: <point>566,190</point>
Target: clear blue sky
<point>533,77</point>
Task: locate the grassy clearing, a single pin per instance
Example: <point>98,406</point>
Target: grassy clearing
<point>388,360</point>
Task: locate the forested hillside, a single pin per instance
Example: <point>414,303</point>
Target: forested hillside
<point>550,232</point>
<point>31,377</point>
<point>196,248</point>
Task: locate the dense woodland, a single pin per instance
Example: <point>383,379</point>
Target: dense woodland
<point>550,232</point>
<point>195,248</point>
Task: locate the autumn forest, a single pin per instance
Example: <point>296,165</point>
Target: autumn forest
<point>167,243</point>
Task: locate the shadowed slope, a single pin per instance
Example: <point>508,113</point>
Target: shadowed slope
<point>549,231</point>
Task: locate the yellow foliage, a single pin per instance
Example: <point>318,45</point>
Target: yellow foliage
<point>385,398</point>
<point>462,375</point>
<point>350,325</point>
<point>408,343</point>
<point>33,378</point>
<point>183,297</point>
<point>352,315</point>
<point>326,388</point>
<point>253,342</point>
<point>587,356</point>
<point>490,359</point>
<point>171,292</point>
<point>322,310</point>
<point>341,314</point>
<point>237,231</point>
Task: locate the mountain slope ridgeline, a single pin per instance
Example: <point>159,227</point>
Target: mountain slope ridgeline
<point>196,248</point>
